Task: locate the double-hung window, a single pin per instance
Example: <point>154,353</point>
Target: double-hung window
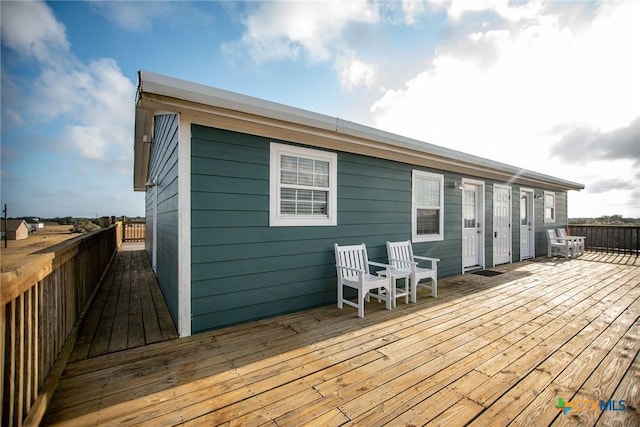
<point>427,206</point>
<point>302,187</point>
<point>549,206</point>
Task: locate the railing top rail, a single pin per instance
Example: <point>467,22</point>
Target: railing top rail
<point>38,265</point>
<point>605,225</point>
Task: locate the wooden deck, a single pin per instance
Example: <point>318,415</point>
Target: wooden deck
<point>128,311</point>
<point>488,351</point>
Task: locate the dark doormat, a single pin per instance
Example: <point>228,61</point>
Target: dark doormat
<point>487,273</point>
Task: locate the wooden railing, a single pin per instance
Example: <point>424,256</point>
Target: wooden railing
<point>133,231</point>
<point>42,302</point>
<point>623,239</point>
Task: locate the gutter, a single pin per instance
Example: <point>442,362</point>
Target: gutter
<point>161,92</point>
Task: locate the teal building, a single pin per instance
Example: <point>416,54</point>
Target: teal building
<point>245,199</point>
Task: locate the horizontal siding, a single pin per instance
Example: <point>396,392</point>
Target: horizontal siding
<point>163,164</point>
<point>242,269</point>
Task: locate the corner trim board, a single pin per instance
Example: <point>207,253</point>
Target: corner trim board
<point>184,226</point>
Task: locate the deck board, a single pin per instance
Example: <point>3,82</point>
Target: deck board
<point>487,351</point>
<point>124,313</point>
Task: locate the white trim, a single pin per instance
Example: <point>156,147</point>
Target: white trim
<point>242,113</point>
<point>532,234</point>
<point>416,173</point>
<point>544,206</point>
<point>510,219</point>
<point>154,238</point>
<point>184,226</point>
<point>482,218</point>
<point>276,219</point>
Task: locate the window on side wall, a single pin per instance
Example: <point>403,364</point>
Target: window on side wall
<point>302,187</point>
<point>549,206</point>
<point>427,212</point>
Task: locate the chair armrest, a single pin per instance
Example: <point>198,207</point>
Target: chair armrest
<point>344,267</point>
<point>403,261</point>
<point>378,264</point>
<point>427,258</point>
<point>564,241</point>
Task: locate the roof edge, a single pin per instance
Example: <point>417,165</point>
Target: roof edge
<point>170,87</point>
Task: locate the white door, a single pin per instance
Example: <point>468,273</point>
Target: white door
<point>501,224</point>
<point>527,248</point>
<point>470,227</point>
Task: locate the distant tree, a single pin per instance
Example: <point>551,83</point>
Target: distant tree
<point>67,220</point>
<point>85,226</point>
<point>605,220</point>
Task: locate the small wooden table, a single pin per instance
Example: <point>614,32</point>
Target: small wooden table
<point>394,274</point>
<point>574,242</point>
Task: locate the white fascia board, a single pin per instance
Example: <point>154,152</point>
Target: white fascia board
<point>152,83</point>
<point>207,95</point>
<point>357,130</point>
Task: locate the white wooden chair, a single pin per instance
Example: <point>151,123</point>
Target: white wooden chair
<point>352,265</point>
<point>402,259</point>
<point>577,242</point>
<point>558,246</point>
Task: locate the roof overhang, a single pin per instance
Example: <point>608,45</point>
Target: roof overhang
<point>231,111</point>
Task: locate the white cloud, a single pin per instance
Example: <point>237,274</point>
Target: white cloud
<point>90,140</point>
<point>94,99</point>
<point>136,16</point>
<point>30,28</point>
<point>412,9</point>
<point>313,31</point>
<point>504,8</point>
<point>278,30</point>
<point>354,73</point>
<point>509,92</point>
<point>582,143</point>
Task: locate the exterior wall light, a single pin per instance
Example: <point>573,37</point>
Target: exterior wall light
<point>458,184</point>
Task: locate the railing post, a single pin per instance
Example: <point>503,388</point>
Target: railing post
<point>41,305</point>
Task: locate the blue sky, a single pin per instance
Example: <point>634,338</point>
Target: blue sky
<point>551,86</point>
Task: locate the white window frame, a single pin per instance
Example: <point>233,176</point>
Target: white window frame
<point>551,219</point>
<point>415,237</point>
<point>276,219</point>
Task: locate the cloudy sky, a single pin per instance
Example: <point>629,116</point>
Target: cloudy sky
<point>551,86</point>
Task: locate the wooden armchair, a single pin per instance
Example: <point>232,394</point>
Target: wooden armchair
<point>557,246</point>
<point>401,258</point>
<point>577,242</point>
<point>352,265</point>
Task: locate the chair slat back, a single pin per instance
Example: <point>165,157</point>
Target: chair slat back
<point>354,256</point>
<point>562,232</point>
<point>551,234</point>
<point>399,252</point>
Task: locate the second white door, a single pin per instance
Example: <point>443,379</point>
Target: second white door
<point>527,234</point>
<point>471,232</point>
<point>501,224</point>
